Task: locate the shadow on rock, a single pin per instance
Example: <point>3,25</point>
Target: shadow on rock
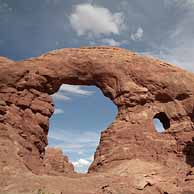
<point>187,192</point>
<point>189,152</point>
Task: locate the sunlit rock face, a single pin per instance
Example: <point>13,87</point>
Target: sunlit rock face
<point>142,88</point>
<point>56,163</point>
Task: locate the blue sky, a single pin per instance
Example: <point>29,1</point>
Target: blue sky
<point>160,28</point>
<point>81,113</point>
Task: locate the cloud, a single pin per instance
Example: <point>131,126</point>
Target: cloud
<point>92,20</point>
<point>74,142</point>
<point>60,96</point>
<point>5,8</point>
<point>81,163</point>
<point>110,41</point>
<point>158,125</point>
<point>91,158</point>
<point>78,137</point>
<point>179,45</point>
<point>72,89</point>
<point>66,90</point>
<point>137,35</point>
<point>58,111</point>
<point>184,3</point>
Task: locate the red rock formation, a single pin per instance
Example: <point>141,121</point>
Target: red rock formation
<point>141,87</point>
<point>56,163</point>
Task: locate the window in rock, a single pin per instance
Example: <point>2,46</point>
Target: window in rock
<point>81,113</point>
<point>161,122</point>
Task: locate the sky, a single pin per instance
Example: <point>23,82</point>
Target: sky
<point>159,28</point>
<point>81,113</point>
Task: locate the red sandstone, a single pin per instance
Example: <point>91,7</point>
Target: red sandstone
<point>131,157</point>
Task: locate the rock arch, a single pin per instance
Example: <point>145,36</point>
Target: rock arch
<point>136,84</point>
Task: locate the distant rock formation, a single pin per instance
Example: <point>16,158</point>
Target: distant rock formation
<point>142,88</point>
<point>56,163</point>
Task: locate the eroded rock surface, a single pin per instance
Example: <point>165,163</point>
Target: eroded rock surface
<point>56,163</point>
<point>141,87</point>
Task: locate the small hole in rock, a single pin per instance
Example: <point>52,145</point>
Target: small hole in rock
<point>161,122</point>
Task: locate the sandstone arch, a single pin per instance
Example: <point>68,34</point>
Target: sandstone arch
<point>139,86</point>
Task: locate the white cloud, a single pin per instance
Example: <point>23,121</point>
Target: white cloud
<point>110,41</point>
<point>74,142</point>
<point>184,3</point>
<point>179,47</point>
<point>81,163</point>
<point>80,152</point>
<point>92,20</point>
<point>78,137</point>
<point>58,111</point>
<point>75,90</point>
<point>60,96</point>
<point>158,125</point>
<point>4,8</point>
<point>137,35</point>
<point>66,90</point>
<point>91,158</point>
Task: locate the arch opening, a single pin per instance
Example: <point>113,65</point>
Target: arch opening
<point>161,122</point>
<point>81,114</point>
